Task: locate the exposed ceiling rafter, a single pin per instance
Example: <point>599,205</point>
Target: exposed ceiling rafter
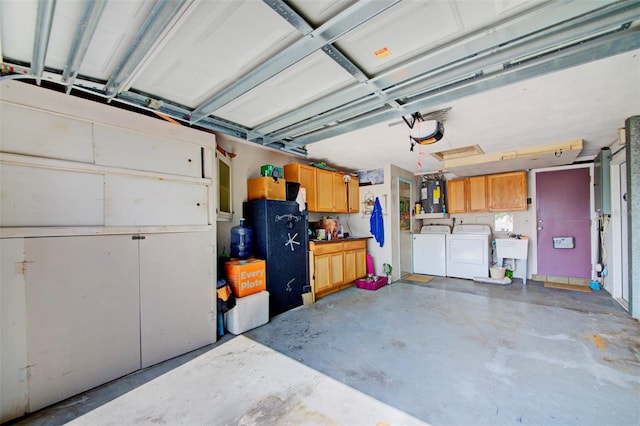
<point>164,18</point>
<point>440,68</point>
<point>582,53</point>
<point>46,8</point>
<point>527,22</point>
<point>92,10</point>
<point>326,34</point>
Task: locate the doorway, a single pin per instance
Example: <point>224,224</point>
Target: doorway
<point>618,264</point>
<point>404,224</point>
<point>563,222</point>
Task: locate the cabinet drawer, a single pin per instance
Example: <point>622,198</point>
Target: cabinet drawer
<point>325,248</point>
<point>354,245</point>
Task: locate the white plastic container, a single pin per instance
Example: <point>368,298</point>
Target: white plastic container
<point>250,312</point>
<point>497,272</point>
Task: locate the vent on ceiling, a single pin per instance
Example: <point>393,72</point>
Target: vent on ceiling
<point>465,151</point>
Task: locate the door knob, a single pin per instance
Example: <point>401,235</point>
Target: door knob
<point>540,228</point>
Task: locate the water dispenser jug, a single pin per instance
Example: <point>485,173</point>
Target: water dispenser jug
<point>241,241</point>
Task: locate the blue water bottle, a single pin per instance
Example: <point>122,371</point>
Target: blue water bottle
<point>241,241</point>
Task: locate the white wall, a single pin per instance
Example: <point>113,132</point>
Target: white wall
<point>245,165</point>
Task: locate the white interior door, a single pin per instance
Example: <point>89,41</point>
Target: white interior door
<point>82,314</point>
<point>617,260</point>
<point>404,217</point>
<point>624,241</point>
<point>177,294</point>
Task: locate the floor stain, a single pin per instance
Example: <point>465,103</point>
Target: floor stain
<point>599,342</point>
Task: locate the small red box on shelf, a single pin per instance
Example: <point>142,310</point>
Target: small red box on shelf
<point>373,284</point>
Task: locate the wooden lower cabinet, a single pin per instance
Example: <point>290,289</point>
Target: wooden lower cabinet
<point>355,254</point>
<point>335,266</point>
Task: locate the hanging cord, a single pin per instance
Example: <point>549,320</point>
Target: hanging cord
<point>604,226</point>
<point>420,152</point>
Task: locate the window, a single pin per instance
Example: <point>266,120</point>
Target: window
<point>503,222</point>
<point>225,188</point>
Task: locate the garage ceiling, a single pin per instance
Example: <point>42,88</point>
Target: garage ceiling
<point>331,79</point>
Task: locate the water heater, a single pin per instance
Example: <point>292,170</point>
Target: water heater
<point>602,181</point>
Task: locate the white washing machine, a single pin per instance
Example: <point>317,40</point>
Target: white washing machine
<point>468,251</point>
<point>429,250</point>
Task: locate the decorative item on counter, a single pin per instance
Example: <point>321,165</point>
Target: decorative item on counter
<point>330,225</point>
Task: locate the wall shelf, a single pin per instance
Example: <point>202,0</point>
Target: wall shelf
<point>431,216</point>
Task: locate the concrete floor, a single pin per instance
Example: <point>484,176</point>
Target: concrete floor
<point>447,352</point>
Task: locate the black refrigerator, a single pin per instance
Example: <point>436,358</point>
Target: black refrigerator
<point>280,238</point>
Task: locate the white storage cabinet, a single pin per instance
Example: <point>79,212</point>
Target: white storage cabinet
<point>107,238</point>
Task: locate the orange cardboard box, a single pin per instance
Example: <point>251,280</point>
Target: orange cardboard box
<point>266,188</point>
<point>246,276</point>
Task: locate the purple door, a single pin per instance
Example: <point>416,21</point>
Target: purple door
<point>562,200</point>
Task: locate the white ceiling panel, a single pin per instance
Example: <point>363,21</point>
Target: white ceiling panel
<point>408,28</point>
<point>303,82</point>
<point>116,31</point>
<point>326,78</point>
<point>66,20</point>
<point>18,20</point>
<point>219,42</point>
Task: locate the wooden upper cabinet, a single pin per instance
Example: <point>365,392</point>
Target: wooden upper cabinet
<point>324,193</point>
<point>507,191</point>
<point>477,194</point>
<point>493,193</point>
<point>354,195</point>
<point>326,190</point>
<point>306,176</point>
<point>339,193</point>
<point>456,194</point>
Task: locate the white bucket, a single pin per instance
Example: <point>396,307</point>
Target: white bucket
<point>497,273</point>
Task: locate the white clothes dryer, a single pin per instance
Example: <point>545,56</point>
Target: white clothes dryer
<point>429,250</point>
<point>468,251</point>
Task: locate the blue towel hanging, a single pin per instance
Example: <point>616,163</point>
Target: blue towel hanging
<point>376,222</point>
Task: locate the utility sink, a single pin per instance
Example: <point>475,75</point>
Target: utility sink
<point>512,248</point>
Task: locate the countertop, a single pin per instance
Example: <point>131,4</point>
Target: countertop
<point>339,240</point>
